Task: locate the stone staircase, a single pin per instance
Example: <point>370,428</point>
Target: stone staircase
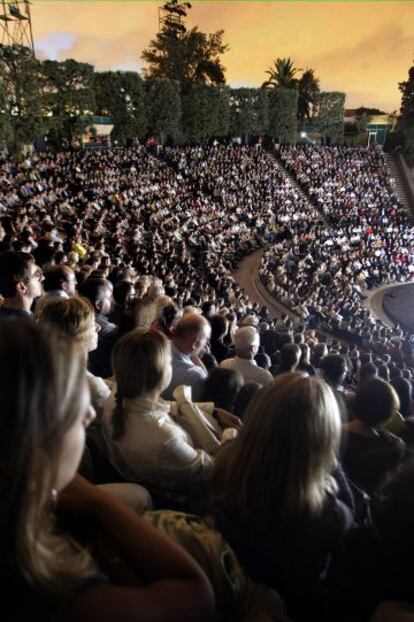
<point>400,185</point>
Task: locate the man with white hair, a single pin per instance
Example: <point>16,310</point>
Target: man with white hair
<point>246,345</point>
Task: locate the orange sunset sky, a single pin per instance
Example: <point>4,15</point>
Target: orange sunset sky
<point>362,48</point>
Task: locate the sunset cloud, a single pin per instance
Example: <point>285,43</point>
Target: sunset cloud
<point>364,49</point>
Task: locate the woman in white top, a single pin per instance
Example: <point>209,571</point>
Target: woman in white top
<point>76,318</point>
<point>145,443</point>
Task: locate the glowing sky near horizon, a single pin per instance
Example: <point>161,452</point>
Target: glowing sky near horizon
<point>361,48</point>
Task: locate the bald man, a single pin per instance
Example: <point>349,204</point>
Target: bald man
<point>190,337</point>
<point>246,346</point>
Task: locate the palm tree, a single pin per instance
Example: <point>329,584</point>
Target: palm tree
<point>308,94</point>
<point>282,75</point>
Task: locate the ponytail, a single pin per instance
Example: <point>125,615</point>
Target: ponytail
<point>119,417</point>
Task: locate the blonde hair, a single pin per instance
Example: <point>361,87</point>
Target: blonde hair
<point>40,392</point>
<point>284,454</point>
<point>139,362</point>
<point>73,316</point>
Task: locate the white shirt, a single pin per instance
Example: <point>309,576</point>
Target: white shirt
<point>154,449</point>
<point>249,369</point>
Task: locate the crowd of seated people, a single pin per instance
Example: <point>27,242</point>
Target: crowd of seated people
<point>267,436</point>
<point>365,241</point>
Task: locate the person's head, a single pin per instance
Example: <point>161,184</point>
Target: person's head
<point>168,316</point>
<point>192,333</point>
<point>124,292</point>
<point>60,277</point>
<point>244,397</point>
<point>365,358</point>
<point>369,370</point>
<point>141,362</point>
<point>45,410</point>
<point>334,369</point>
<point>284,454</point>
<point>76,318</point>
<point>263,360</point>
<point>384,372</point>
<point>304,354</point>
<point>222,387</point>
<point>246,342</point>
<point>394,514</point>
<point>208,308</point>
<point>290,355</point>
<point>375,402</point>
<point>20,278</point>
<point>99,294</point>
<point>319,352</point>
<point>219,327</point>
<point>404,392</point>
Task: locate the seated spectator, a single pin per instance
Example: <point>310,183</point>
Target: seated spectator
<point>369,370</point>
<point>219,329</point>
<point>99,294</point>
<point>121,312</point>
<point>147,308</point>
<point>20,284</point>
<point>281,515</point>
<point>384,372</point>
<point>290,355</point>
<point>318,353</point>
<point>59,284</point>
<point>404,391</point>
<point>263,360</point>
<point>208,309</point>
<point>75,317</point>
<point>190,337</point>
<point>304,363</point>
<point>145,443</point>
<point>44,572</point>
<point>167,319</point>
<point>369,452</point>
<point>244,397</point>
<point>246,346</point>
<point>222,387</point>
<point>377,565</point>
<point>334,370</point>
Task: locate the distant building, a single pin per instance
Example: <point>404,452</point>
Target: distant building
<point>97,133</point>
<point>378,127</point>
<point>367,129</point>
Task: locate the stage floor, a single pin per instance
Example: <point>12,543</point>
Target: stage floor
<point>398,304</point>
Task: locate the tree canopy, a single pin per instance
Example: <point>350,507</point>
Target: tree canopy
<point>21,96</point>
<point>68,95</point>
<point>163,104</point>
<point>121,95</point>
<point>330,118</point>
<point>283,110</point>
<point>205,112</point>
<point>406,121</point>
<point>308,86</point>
<point>249,112</point>
<point>284,75</point>
<point>185,56</point>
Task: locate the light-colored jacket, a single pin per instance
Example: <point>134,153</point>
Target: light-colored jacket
<point>155,450</point>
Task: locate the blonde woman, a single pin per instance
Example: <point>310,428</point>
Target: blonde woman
<point>145,443</point>
<point>136,574</point>
<point>76,318</point>
<point>274,494</point>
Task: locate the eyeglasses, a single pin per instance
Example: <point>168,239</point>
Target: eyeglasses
<point>37,274</point>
